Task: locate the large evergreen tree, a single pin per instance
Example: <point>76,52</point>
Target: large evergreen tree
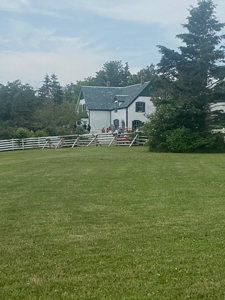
<point>194,75</point>
<point>51,91</point>
<point>45,91</point>
<point>56,90</point>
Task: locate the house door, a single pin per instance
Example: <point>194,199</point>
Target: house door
<point>116,123</point>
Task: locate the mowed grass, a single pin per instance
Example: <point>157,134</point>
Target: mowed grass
<point>111,223</point>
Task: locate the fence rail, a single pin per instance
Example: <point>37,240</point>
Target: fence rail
<point>26,143</point>
<point>84,140</point>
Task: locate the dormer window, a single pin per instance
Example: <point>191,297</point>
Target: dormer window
<point>116,102</point>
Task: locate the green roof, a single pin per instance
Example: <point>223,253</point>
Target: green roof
<point>102,98</point>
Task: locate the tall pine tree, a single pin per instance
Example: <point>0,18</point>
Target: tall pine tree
<point>45,91</point>
<point>56,90</point>
<point>195,75</point>
<point>51,92</point>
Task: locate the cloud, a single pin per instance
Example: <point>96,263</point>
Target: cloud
<point>31,67</point>
<point>154,11</point>
<point>30,52</point>
<point>13,5</point>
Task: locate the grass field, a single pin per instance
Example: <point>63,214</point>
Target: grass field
<point>111,223</point>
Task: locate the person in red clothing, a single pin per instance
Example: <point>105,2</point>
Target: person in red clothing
<point>103,130</point>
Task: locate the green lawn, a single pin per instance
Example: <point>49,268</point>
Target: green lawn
<point>111,223</point>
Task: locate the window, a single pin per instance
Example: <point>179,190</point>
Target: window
<point>140,106</point>
<point>116,123</point>
<point>116,104</point>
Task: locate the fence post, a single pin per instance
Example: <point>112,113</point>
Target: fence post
<point>138,139</point>
<point>116,137</point>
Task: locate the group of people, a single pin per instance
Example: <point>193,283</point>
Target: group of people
<point>83,126</point>
<point>110,129</point>
<point>113,129</point>
<point>107,130</point>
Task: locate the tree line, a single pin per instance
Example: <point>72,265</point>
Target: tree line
<point>184,85</point>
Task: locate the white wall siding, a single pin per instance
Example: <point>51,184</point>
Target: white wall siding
<point>98,119</point>
<point>133,115</point>
<point>120,115</point>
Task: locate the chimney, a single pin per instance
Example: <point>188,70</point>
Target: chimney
<point>142,79</point>
<point>108,83</point>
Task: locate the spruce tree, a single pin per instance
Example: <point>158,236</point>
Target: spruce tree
<point>51,92</point>
<point>45,91</point>
<point>56,90</point>
<point>195,74</point>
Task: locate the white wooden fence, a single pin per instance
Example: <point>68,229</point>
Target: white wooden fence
<point>72,141</point>
<point>26,143</point>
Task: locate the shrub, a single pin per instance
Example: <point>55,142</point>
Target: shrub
<point>40,133</point>
<point>22,133</point>
<point>51,130</point>
<point>6,133</point>
<point>184,140</point>
<point>62,131</point>
<point>179,140</point>
<point>79,130</point>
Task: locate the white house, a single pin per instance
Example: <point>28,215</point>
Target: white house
<point>118,106</point>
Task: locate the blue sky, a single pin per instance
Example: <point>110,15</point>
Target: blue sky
<point>73,39</point>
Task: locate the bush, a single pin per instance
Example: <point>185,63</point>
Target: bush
<point>79,130</point>
<point>51,130</point>
<point>62,131</point>
<point>22,133</point>
<point>184,140</point>
<point>40,133</point>
<point>6,133</point>
<point>179,140</point>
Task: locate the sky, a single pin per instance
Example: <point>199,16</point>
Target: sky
<point>73,39</point>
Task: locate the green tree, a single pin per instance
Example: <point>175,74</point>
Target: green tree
<point>65,114</point>
<point>5,104</point>
<point>53,120</point>
<point>113,71</point>
<point>149,73</point>
<point>71,91</point>
<point>17,103</point>
<point>45,91</point>
<point>193,76</point>
<point>51,91</point>
<point>56,90</point>
<point>23,106</point>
